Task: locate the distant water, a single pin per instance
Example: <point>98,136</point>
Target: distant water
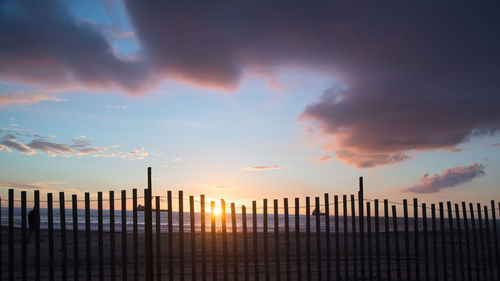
<point>187,226</point>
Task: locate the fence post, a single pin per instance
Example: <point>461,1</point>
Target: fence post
<point>1,248</point>
<point>396,242</point>
<point>254,240</point>
<point>11,234</point>
<point>297,239</point>
<point>88,248</point>
<point>170,237</point>
<point>346,241</point>
<point>62,218</point>
<point>369,238</point>
<point>203,239</point>
<point>193,237</point>
<point>328,247</point>
<point>99,237</point>
<point>158,238</point>
<point>124,235</point>
<point>266,247</point>
<point>37,235</point>
<point>76,246</point>
<point>460,248</point>
<point>434,241</point>
<point>474,238</point>
<point>276,242</point>
<point>387,240</point>
<point>235,241</point>
<point>318,239</point>
<point>415,236</point>
<point>452,240</point>
<point>24,249</point>
<point>224,239</point>
<point>495,236</point>
<point>481,238</point>
<point>135,235</point>
<point>361,228</point>
<point>467,241</point>
<point>148,232</point>
<point>181,235</point>
<point>354,242</point>
<point>443,241</point>
<point>488,242</point>
<point>308,238</point>
<point>377,241</point>
<point>245,240</point>
<point>407,239</point>
<point>214,242</point>
<point>50,217</point>
<point>287,240</point>
<point>337,234</point>
<point>112,250</point>
<point>426,243</point>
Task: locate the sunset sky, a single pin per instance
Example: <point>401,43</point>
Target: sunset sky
<point>250,100</point>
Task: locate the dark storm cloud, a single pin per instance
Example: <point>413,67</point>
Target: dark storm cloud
<point>448,178</point>
<point>43,44</point>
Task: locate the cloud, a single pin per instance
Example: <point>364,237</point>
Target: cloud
<point>263,168</point>
<point>25,98</point>
<point>138,153</point>
<point>43,44</point>
<point>323,158</point>
<point>448,178</point>
<point>47,186</point>
<point>9,142</point>
<point>117,106</point>
<point>495,145</point>
<point>20,185</point>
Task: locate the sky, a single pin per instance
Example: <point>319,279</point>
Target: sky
<point>251,100</point>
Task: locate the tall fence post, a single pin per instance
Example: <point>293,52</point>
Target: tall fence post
<point>361,229</point>
<point>276,241</point>
<point>297,240</point>
<point>287,240</point>
<point>76,245</point>
<point>318,239</point>
<point>234,234</point>
<point>24,249</point>
<point>213,240</point>
<point>254,240</point>
<point>62,219</point>
<point>50,221</point>
<point>124,236</point>
<point>203,239</point>
<point>396,242</point>
<point>148,232</point>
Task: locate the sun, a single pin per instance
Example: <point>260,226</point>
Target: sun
<point>217,210</point>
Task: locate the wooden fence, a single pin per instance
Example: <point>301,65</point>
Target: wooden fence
<point>460,244</point>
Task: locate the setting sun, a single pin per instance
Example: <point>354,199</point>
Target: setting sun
<point>217,210</point>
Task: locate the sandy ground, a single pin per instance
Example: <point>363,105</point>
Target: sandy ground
<point>188,258</point>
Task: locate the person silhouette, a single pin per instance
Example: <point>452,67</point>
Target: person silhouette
<point>33,223</point>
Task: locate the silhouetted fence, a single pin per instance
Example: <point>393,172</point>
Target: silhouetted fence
<point>458,243</point>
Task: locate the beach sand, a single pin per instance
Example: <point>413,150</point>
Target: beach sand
<point>44,245</point>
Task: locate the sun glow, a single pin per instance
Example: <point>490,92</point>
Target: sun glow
<point>217,210</point>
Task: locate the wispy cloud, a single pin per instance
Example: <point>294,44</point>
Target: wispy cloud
<point>46,186</point>
<point>264,168</point>
<point>26,98</point>
<point>323,158</point>
<point>448,178</point>
<point>116,106</point>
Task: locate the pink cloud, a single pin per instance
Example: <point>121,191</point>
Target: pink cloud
<point>26,98</point>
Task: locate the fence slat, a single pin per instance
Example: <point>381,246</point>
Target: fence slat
<point>11,234</point>
<point>214,241</point>
<point>407,239</point>
<point>224,239</point>
<point>377,240</point>
<point>459,238</point>
<point>1,241</point>
<point>88,246</point>
<point>112,245</point>
<point>50,221</point>
<point>318,239</point>
<point>235,241</point>
<point>443,241</point>
<point>495,236</point>
<point>76,245</point>
<point>24,249</point>
<point>452,240</point>
<point>308,238</point>
<point>297,239</point>
<point>337,238</point>
<point>467,242</point>
<point>170,237</point>
<point>148,232</point>
<point>158,238</point>
<point>245,241</point>
<point>181,235</point>
<point>287,240</point>
<point>37,235</point>
<point>434,241</point>
<point>276,241</point>
<point>266,247</point>
<point>328,246</point>
<point>361,229</point>
<point>396,242</point>
<point>369,240</point>
<point>62,219</point>
<point>193,237</point>
<point>387,240</point>
<point>254,240</point>
<point>124,236</point>
<point>353,235</point>
<point>135,235</point>
<point>415,241</point>
<point>100,250</point>
<point>481,239</point>
<point>346,241</point>
<point>203,239</point>
<point>488,242</point>
<point>474,238</point>
<point>426,243</point>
